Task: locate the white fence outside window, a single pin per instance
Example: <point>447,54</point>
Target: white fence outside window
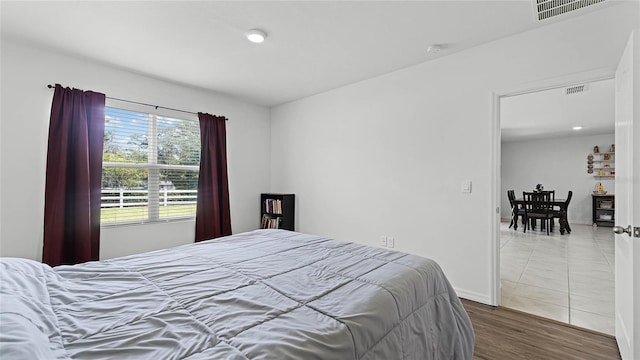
<point>125,198</point>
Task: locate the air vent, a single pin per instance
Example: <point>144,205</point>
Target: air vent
<point>574,89</point>
<point>546,9</point>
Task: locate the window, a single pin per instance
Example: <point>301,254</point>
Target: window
<point>150,167</point>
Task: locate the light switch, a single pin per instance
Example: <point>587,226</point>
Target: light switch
<point>466,186</point>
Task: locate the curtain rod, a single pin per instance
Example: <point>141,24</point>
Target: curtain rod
<point>144,104</point>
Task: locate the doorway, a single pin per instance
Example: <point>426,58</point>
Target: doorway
<point>570,277</point>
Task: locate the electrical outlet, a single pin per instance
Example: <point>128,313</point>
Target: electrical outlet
<point>391,242</point>
<point>383,241</point>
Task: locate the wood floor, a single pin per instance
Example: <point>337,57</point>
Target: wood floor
<point>503,333</point>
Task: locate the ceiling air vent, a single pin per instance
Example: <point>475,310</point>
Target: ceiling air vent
<point>574,89</point>
<point>546,9</point>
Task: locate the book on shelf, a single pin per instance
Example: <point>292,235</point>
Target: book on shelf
<point>273,206</point>
<point>269,222</point>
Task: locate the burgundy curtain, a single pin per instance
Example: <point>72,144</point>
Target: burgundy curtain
<point>74,172</point>
<point>213,216</point>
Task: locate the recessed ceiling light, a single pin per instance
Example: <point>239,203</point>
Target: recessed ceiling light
<point>578,127</point>
<point>434,49</point>
<point>256,35</point>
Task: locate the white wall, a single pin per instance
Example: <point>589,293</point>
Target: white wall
<point>558,164</point>
<point>386,156</point>
<point>26,104</point>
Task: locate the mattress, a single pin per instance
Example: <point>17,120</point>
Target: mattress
<point>266,294</point>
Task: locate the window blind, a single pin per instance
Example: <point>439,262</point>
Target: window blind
<point>150,167</point>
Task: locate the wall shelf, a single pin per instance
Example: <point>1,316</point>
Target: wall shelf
<point>602,165</point>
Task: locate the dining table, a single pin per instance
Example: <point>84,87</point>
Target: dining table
<point>558,204</point>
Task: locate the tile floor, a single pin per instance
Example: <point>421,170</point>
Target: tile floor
<point>568,277</point>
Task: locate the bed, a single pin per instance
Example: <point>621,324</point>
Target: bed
<point>265,294</point>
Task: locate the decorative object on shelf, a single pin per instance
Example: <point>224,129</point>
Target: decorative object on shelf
<point>599,190</point>
<point>596,149</point>
<point>539,188</point>
<point>612,148</point>
<point>590,171</point>
<point>607,157</point>
<point>590,157</point>
<point>606,204</point>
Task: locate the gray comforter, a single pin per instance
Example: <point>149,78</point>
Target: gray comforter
<point>267,294</point>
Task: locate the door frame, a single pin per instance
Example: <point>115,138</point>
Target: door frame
<point>496,149</point>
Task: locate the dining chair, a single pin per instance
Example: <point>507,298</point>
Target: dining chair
<point>552,194</point>
<point>561,214</point>
<point>537,205</point>
<point>516,210</point>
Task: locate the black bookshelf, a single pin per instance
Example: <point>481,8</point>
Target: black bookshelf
<point>277,211</point>
<point>603,209</point>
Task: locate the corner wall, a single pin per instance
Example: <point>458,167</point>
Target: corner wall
<point>386,156</point>
<point>26,104</point>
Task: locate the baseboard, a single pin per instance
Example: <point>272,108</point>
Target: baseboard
<point>576,222</point>
<point>473,296</point>
<point>579,222</point>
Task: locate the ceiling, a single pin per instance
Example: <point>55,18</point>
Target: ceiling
<point>312,46</point>
<point>552,113</point>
